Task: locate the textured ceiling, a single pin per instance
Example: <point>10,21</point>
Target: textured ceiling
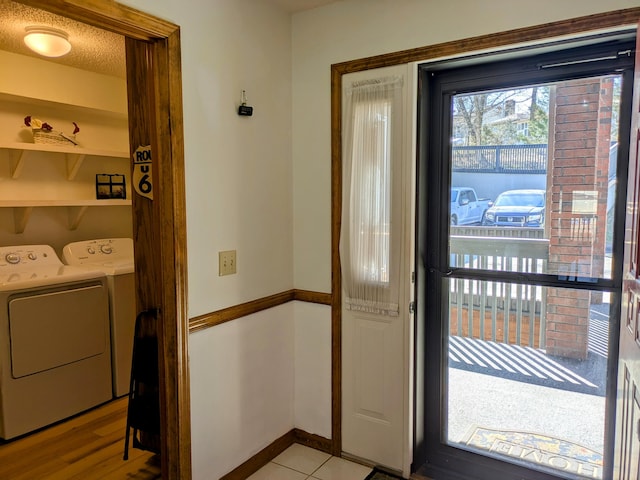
<point>92,49</point>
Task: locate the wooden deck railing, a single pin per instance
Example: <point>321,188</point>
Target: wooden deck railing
<point>498,311</point>
<point>482,231</point>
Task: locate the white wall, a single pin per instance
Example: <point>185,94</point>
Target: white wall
<point>353,29</point>
<point>32,77</point>
<point>312,386</point>
<point>238,169</point>
<point>98,104</point>
<point>254,380</point>
<point>242,387</point>
<point>239,196</point>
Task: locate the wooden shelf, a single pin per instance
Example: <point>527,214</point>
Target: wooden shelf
<point>103,111</point>
<point>76,209</point>
<point>18,153</point>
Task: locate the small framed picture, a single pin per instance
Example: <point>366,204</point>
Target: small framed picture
<point>110,186</point>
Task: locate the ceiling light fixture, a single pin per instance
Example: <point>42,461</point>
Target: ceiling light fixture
<point>47,41</point>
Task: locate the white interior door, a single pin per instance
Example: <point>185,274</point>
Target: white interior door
<point>376,344</point>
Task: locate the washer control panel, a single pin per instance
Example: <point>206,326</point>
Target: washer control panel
<point>25,256</point>
<point>98,251</point>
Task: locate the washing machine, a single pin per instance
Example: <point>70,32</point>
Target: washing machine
<point>113,256</point>
<point>55,359</point>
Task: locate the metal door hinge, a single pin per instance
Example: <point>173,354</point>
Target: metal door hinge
<point>413,277</point>
<point>412,307</point>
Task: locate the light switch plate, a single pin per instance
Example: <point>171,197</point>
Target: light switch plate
<point>226,262</point>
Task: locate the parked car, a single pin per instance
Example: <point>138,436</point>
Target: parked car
<point>466,207</point>
<point>517,208</point>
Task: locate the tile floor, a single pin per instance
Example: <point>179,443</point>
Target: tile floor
<point>300,463</point>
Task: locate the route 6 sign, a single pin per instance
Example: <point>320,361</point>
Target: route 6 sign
<point>142,178</point>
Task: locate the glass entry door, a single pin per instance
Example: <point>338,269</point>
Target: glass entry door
<point>526,271</point>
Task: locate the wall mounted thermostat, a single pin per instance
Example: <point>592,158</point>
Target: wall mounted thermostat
<point>244,109</point>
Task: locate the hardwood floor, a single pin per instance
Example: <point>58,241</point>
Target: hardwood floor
<point>89,446</point>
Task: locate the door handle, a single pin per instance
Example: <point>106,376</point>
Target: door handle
<point>446,273</point>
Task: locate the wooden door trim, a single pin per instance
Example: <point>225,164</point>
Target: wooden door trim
<point>455,48</point>
<point>166,217</point>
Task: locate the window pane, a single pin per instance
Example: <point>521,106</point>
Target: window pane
<point>542,162</point>
<point>527,374</point>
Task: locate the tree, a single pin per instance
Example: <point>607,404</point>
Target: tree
<point>615,108</point>
<point>538,116</point>
<point>473,109</point>
<point>493,118</point>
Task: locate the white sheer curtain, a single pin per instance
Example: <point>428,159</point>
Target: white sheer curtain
<point>370,231</point>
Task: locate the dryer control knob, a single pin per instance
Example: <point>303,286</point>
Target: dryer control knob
<point>107,249</point>
<point>32,256</point>
<point>12,258</point>
<point>90,250</point>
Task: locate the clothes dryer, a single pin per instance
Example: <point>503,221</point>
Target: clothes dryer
<point>55,359</point>
<point>114,257</point>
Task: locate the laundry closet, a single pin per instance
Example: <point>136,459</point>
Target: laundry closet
<point>48,191</point>
<point>54,192</point>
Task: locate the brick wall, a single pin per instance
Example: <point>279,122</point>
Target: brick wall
<point>580,131</point>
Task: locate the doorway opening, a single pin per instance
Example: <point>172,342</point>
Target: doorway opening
<point>155,119</point>
<point>523,270</point>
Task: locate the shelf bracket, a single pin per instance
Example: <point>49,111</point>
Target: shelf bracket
<point>16,162</point>
<point>21,217</point>
<point>75,215</point>
<point>74,162</point>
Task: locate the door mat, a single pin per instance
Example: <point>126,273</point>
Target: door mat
<point>380,475</point>
<point>539,449</point>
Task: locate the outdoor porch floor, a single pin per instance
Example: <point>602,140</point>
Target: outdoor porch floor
<point>522,393</point>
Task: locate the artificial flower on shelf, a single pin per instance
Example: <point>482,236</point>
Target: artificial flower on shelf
<point>44,133</point>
